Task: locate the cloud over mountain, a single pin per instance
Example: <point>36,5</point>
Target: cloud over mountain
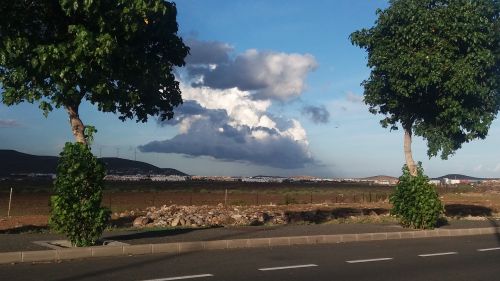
<point>228,125</point>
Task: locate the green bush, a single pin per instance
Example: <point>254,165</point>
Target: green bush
<point>76,205</point>
<point>415,201</point>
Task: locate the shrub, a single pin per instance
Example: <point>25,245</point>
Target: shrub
<point>76,205</point>
<point>415,201</point>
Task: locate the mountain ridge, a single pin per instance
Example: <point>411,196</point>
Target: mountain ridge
<point>15,162</point>
<point>461,177</point>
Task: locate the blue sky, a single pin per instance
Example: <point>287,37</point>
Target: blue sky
<point>272,87</point>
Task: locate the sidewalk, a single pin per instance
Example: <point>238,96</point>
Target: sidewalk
<point>15,248</point>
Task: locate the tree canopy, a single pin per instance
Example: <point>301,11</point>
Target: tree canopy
<point>118,55</point>
<point>435,69</point>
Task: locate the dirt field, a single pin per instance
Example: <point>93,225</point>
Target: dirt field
<point>33,197</point>
<point>33,207</point>
<point>38,203</point>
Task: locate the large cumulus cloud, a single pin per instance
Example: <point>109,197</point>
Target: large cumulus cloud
<point>227,107</point>
<point>257,145</point>
<point>268,74</point>
<point>228,125</point>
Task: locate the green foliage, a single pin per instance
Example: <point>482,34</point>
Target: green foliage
<point>89,132</point>
<point>415,201</point>
<point>435,68</point>
<point>116,54</point>
<point>76,207</point>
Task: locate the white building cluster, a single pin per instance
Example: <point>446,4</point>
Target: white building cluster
<point>156,178</point>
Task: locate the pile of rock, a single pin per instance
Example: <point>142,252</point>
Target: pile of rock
<point>202,216</point>
<point>220,215</point>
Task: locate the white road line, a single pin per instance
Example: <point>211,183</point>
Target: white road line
<point>488,249</point>
<point>181,277</point>
<point>287,267</point>
<point>438,254</point>
<point>369,260</point>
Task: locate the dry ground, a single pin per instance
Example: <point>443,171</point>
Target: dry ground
<point>471,205</point>
<point>30,201</point>
<point>38,203</point>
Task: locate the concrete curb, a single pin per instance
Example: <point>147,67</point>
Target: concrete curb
<point>186,247</point>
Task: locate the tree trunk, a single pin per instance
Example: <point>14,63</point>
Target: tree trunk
<point>408,156</point>
<point>77,126</point>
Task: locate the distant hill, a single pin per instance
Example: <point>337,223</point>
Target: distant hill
<point>14,162</point>
<point>380,178</point>
<point>460,177</point>
<point>130,167</point>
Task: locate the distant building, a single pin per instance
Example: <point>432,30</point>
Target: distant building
<point>127,178</point>
<point>35,176</point>
<point>214,178</point>
<point>167,178</point>
<point>448,181</point>
<point>435,182</point>
<point>262,179</point>
<point>378,180</point>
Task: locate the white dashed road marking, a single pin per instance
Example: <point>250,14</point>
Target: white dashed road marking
<point>314,265</point>
<point>287,267</point>
<point>181,277</point>
<point>488,249</point>
<point>369,260</point>
<point>438,254</point>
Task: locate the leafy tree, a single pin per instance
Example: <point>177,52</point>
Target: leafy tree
<point>434,70</point>
<point>76,205</point>
<point>118,55</point>
<point>416,202</point>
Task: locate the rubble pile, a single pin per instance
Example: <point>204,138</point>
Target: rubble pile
<point>220,215</point>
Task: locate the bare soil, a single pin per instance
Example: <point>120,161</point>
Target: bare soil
<point>29,211</point>
<point>26,223</point>
<point>18,222</point>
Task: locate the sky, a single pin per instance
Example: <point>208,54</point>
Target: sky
<point>270,88</point>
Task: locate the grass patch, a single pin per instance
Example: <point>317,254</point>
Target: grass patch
<point>363,220</point>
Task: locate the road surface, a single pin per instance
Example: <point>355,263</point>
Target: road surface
<point>457,258</point>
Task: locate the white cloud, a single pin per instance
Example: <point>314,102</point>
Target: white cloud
<point>229,125</point>
<point>239,106</point>
<point>227,100</point>
<point>267,74</point>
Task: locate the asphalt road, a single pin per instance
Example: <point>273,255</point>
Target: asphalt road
<point>457,258</point>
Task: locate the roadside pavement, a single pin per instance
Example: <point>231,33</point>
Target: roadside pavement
<point>24,241</point>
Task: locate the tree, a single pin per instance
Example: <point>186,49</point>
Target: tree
<point>118,55</point>
<point>76,206</point>
<point>415,201</point>
<point>434,70</point>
